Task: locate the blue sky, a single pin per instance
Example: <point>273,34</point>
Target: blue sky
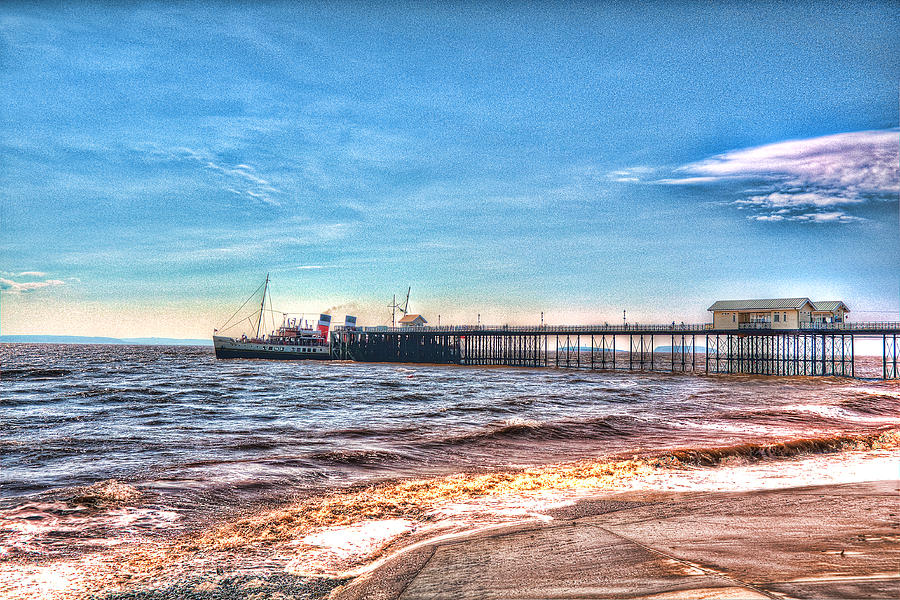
<point>502,159</point>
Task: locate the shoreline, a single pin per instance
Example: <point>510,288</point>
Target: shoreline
<point>835,540</point>
<point>410,539</point>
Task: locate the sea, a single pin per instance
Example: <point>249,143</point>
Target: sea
<point>159,471</point>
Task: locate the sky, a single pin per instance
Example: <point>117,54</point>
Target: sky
<point>157,160</point>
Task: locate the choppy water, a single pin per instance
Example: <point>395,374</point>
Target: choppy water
<point>194,444</point>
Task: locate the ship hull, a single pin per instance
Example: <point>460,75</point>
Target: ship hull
<point>230,348</point>
<point>224,353</point>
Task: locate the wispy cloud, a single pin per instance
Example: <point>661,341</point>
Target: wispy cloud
<point>780,200</point>
<point>25,287</point>
<point>23,274</point>
<point>795,176</point>
<point>240,179</point>
<point>833,216</point>
<point>687,180</point>
<point>630,174</point>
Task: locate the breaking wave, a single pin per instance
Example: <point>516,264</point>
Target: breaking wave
<point>532,430</point>
<point>103,494</point>
<point>711,457</point>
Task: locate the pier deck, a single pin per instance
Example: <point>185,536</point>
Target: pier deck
<point>813,349</point>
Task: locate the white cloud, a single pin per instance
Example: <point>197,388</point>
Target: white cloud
<point>783,200</point>
<point>863,161</point>
<point>630,174</point>
<point>797,175</point>
<point>16,287</point>
<point>688,180</point>
<point>834,216</point>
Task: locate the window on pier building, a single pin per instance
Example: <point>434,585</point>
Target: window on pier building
<point>777,317</point>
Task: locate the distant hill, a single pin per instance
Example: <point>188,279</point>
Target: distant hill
<point>153,341</point>
<point>698,349</point>
<point>80,339</point>
<point>586,349</point>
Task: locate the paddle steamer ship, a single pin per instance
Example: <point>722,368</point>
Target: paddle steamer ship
<point>294,339</point>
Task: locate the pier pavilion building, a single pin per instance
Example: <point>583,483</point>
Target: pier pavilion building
<point>776,313</point>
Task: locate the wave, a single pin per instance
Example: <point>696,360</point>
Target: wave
<point>121,394</point>
<point>711,457</point>
<point>363,432</point>
<point>883,409</point>
<point>874,403</point>
<point>357,457</point>
<point>255,444</point>
<point>33,373</point>
<point>386,384</point>
<point>803,415</point>
<point>408,397</point>
<point>514,430</point>
<point>103,494</point>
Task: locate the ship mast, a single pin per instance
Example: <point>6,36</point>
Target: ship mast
<point>395,307</point>
<point>262,306</point>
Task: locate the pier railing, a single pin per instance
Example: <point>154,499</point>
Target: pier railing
<point>855,326</point>
<point>549,329</point>
<point>605,328</point>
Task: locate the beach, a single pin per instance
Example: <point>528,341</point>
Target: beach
<point>835,541</point>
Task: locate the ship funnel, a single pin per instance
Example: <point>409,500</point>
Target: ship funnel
<point>324,324</point>
<point>349,322</point>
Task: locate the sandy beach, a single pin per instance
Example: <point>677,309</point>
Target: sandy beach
<point>832,541</point>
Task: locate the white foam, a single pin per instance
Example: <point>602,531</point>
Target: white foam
<point>332,550</point>
<point>31,529</point>
<point>819,469</point>
<point>359,538</point>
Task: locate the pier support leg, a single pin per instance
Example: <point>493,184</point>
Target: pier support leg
<point>706,354</point>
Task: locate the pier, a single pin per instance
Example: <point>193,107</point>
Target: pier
<point>813,349</point>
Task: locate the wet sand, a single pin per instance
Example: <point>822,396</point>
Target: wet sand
<point>833,541</point>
